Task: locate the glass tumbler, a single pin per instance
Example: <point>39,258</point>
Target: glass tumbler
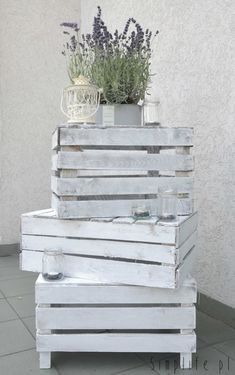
<point>141,211</point>
<point>167,204</point>
<point>53,265</point>
<point>151,115</point>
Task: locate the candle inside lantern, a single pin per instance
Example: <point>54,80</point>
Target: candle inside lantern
<point>53,265</point>
<point>141,212</point>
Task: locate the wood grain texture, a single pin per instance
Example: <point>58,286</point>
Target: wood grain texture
<point>118,185</point>
<point>124,160</point>
<point>78,290</point>
<point>51,226</point>
<point>74,209</point>
<point>117,342</point>
<point>115,318</point>
<point>105,270</point>
<point>109,248</point>
<point>118,136</point>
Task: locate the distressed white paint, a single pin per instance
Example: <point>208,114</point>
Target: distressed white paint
<point>73,209</point>
<point>99,264</point>
<point>118,185</point>
<point>78,290</point>
<point>114,307</point>
<point>46,223</point>
<point>117,342</point>
<point>153,317</point>
<point>116,271</point>
<point>149,136</point>
<point>107,196</point>
<point>129,160</point>
<point>114,249</point>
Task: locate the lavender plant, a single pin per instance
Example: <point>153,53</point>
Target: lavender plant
<point>119,63</point>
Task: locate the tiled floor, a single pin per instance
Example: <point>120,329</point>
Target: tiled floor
<point>215,355</point>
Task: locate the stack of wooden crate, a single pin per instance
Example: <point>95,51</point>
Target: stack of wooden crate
<point>125,276</point>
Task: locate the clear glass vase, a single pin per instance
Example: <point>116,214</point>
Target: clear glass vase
<point>53,265</point>
<point>167,206</point>
<point>151,113</point>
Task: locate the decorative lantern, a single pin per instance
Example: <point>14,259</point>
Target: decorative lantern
<point>80,101</point>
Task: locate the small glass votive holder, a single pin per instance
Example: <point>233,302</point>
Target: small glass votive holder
<point>151,113</point>
<point>141,211</point>
<point>167,206</point>
<point>53,265</point>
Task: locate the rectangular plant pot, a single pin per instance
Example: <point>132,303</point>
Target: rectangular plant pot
<point>119,114</point>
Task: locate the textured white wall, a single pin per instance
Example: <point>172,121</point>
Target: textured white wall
<point>194,64</point>
<point>32,74</point>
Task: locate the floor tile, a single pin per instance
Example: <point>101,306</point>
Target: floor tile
<point>24,363</point>
<point>13,273</point>
<point>6,312</point>
<point>207,361</point>
<point>9,261</point>
<point>150,358</point>
<point>30,323</point>
<point>18,287</point>
<point>1,295</point>
<point>211,330</point>
<point>14,337</point>
<point>94,363</point>
<point>227,347</point>
<point>24,305</point>
<point>201,344</point>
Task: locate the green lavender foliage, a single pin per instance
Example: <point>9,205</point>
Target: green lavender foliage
<point>119,63</point>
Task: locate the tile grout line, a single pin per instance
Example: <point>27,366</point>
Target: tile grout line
<point>21,319</point>
<point>20,351</point>
<point>221,351</point>
<point>17,295</point>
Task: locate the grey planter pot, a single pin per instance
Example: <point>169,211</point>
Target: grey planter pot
<point>119,114</point>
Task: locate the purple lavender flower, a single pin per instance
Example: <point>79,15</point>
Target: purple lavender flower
<point>72,25</point>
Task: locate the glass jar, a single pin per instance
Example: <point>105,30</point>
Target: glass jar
<point>167,207</point>
<point>53,265</point>
<point>141,211</point>
<point>151,113</point>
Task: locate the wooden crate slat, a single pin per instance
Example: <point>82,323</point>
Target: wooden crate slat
<point>116,185</point>
<point>115,318</point>
<point>186,267</point>
<point>42,225</point>
<point>107,172</point>
<point>187,228</point>
<point>55,141</point>
<point>117,342</point>
<point>130,160</point>
<point>106,208</point>
<point>117,249</point>
<point>105,270</point>
<point>77,290</point>
<point>118,136</point>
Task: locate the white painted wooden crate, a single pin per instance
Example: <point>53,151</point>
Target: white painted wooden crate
<point>102,172</point>
<point>75,315</point>
<point>122,250</point>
